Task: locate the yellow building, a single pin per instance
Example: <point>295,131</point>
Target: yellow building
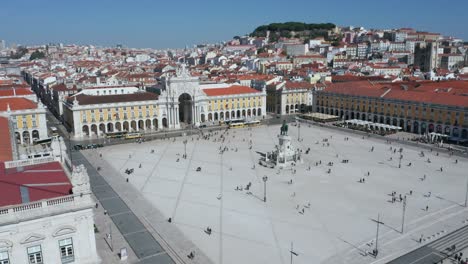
<point>183,101</point>
<point>26,117</point>
<point>289,97</point>
<point>417,107</point>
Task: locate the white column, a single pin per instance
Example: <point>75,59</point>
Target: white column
<point>170,116</point>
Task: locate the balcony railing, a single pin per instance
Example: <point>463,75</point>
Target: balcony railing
<point>34,210</point>
<point>27,162</point>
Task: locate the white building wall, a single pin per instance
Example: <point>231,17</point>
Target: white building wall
<point>45,225</point>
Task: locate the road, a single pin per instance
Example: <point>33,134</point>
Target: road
<point>145,246</point>
<point>53,121</point>
<point>436,251</point>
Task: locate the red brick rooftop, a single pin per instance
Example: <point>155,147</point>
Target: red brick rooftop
<point>84,99</point>
<point>10,91</point>
<point>453,93</point>
<point>42,181</point>
<point>16,103</point>
<point>234,89</point>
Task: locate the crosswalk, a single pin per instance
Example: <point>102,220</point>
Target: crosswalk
<point>458,238</point>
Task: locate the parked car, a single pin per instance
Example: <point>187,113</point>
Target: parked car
<point>78,147</point>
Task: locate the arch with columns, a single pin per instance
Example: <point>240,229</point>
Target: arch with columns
<point>155,124</point>
<point>110,127</point>
<point>26,137</point>
<point>85,130</point>
<point>94,129</point>
<point>102,128</point>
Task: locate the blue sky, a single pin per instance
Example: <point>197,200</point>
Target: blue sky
<point>176,23</point>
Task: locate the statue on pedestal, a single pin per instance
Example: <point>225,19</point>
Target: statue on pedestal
<point>284,129</point>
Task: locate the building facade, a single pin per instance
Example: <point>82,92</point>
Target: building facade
<point>56,229</point>
<point>427,108</point>
<point>27,118</point>
<point>182,101</point>
<point>289,97</point>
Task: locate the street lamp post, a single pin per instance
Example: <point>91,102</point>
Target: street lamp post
<point>404,211</point>
<point>466,194</point>
<point>376,250</point>
<point>298,131</point>
<point>185,149</point>
<point>265,179</point>
<point>292,253</point>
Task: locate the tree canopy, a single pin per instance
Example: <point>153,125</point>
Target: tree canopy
<point>20,52</point>
<point>37,55</point>
<point>292,26</point>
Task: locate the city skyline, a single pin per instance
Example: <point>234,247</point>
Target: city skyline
<point>181,23</point>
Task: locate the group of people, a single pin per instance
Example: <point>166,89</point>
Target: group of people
<point>398,198</point>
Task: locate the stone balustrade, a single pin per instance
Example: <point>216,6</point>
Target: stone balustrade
<point>43,208</point>
<point>27,162</point>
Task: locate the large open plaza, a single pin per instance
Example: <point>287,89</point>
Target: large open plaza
<point>323,206</point>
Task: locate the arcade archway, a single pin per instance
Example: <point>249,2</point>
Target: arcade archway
<point>185,108</point>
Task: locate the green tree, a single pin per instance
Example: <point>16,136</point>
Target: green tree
<point>273,37</point>
<point>20,52</point>
<point>37,55</point>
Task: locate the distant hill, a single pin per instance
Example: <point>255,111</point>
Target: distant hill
<point>293,29</point>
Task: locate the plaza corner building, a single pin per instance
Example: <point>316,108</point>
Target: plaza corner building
<point>26,118</point>
<point>417,107</point>
<point>181,101</point>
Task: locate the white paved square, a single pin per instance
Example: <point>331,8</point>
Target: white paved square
<point>337,208</point>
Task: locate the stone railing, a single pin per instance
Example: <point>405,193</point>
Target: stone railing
<point>27,162</point>
<point>26,207</point>
<point>44,208</point>
<point>61,200</point>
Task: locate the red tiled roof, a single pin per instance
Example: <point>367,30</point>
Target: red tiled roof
<point>349,78</point>
<point>16,103</point>
<point>298,85</point>
<point>15,91</point>
<point>444,93</point>
<point>428,97</point>
<point>62,88</point>
<point>5,142</point>
<point>234,89</point>
<point>84,99</point>
<point>42,181</point>
<point>360,88</point>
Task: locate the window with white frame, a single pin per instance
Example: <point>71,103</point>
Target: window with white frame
<point>66,250</point>
<point>4,258</point>
<point>35,255</point>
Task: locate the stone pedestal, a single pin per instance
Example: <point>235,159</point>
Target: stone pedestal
<point>286,154</point>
